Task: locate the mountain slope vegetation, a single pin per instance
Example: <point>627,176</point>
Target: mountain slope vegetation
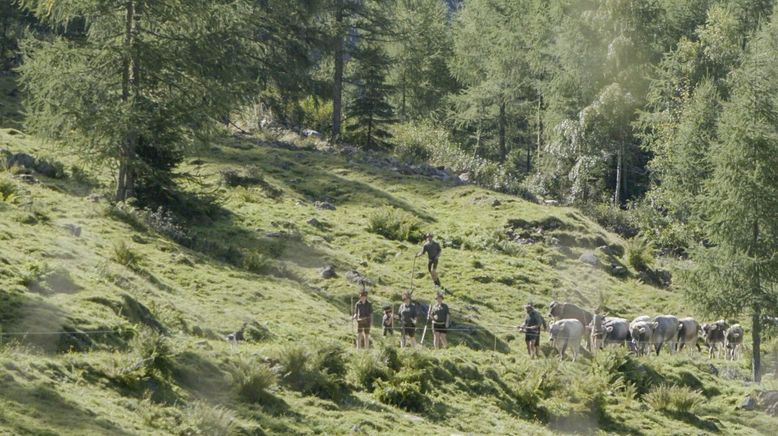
<point>114,317</point>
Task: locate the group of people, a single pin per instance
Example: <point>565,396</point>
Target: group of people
<point>409,312</point>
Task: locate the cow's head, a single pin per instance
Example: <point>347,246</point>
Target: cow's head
<point>553,309</point>
<point>654,325</point>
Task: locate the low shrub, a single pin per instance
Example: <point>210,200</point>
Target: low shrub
<point>123,254</point>
<point>252,379</point>
<point>613,219</point>
<point>312,375</point>
<point>639,252</point>
<point>255,262</point>
<point>680,399</point>
<point>205,419</point>
<point>394,224</point>
<point>405,395</point>
<point>366,369</point>
<point>9,192</point>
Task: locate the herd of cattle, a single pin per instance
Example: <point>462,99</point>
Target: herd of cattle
<point>574,324</point>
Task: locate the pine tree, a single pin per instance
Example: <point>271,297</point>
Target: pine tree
<point>140,83</point>
<point>738,272</point>
<point>369,106</point>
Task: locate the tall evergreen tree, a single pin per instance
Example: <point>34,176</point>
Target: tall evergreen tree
<point>144,79</point>
<point>738,272</point>
<point>369,106</point>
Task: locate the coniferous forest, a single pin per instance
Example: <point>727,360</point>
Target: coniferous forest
<point>654,120</point>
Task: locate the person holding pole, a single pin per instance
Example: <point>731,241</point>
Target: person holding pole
<point>433,250</point>
<point>408,313</point>
<point>440,322</point>
<point>531,328</point>
<point>363,312</point>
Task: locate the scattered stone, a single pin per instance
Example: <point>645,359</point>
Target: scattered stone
<point>749,403</point>
<point>768,401</point>
<point>589,258</point>
<point>315,223</point>
<point>324,205</point>
<point>328,272</point>
<point>551,202</point>
<point>554,241</point>
<point>496,202</point>
<point>274,234</point>
<point>357,278</point>
<point>713,370</point>
<point>197,162</point>
<point>74,229</point>
<point>363,264</point>
<point>8,378</point>
<point>472,308</point>
<point>606,250</point>
<point>94,197</point>
<point>618,270</point>
<point>464,178</point>
<point>27,178</point>
<point>138,239</point>
<point>203,344</point>
<point>311,133</point>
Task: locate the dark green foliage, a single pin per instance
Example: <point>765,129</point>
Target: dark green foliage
<point>403,394</point>
<point>394,224</point>
<point>366,369</point>
<point>316,371</point>
<point>252,378</point>
<point>369,103</point>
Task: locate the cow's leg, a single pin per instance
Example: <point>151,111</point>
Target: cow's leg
<point>658,347</point>
<point>564,347</point>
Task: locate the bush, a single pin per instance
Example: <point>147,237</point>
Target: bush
<point>151,355</point>
<point>256,262</point>
<point>394,224</point>
<point>210,420</point>
<point>311,375</point>
<point>405,395</point>
<point>612,218</point>
<point>366,369</point>
<point>8,191</point>
<point>677,399</point>
<point>252,379</point>
<point>640,253</point>
<point>124,255</point>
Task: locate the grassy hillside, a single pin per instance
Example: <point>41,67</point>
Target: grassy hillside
<point>125,310</point>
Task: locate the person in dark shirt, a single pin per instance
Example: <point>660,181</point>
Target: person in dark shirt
<point>388,321</point>
<point>363,311</point>
<point>531,328</point>
<point>408,313</point>
<point>433,250</point>
<point>440,321</point>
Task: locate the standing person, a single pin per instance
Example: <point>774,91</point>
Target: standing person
<point>388,321</point>
<point>440,321</point>
<point>363,311</point>
<point>531,328</point>
<point>433,250</point>
<point>408,313</point>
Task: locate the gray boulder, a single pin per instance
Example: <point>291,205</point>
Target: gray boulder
<point>589,258</point>
<point>749,403</point>
<point>23,160</point>
<point>324,205</point>
<point>74,229</point>
<point>328,272</point>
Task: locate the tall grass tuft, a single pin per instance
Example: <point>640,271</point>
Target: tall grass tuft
<point>640,253</point>
<point>366,369</point>
<point>394,224</point>
<point>252,379</point>
<point>124,255</point>
<point>205,419</point>
<point>664,398</point>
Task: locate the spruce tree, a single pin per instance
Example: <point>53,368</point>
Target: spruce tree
<point>737,273</point>
<point>141,81</point>
<point>369,104</point>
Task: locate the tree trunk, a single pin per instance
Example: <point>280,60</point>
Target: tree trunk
<point>370,132</point>
<point>539,126</point>
<point>125,186</point>
<point>503,151</point>
<point>756,322</point>
<point>619,169</point>
<point>337,87</point>
<point>402,105</point>
<point>529,156</point>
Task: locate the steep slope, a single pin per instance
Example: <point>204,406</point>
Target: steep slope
<point>113,318</point>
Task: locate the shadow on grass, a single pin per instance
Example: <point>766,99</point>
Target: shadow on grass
<point>320,182</point>
<point>51,412</point>
<point>692,419</point>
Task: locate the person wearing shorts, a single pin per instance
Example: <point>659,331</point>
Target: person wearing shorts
<point>363,312</point>
<point>433,250</point>
<point>531,328</point>
<point>408,313</point>
<point>440,321</point>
